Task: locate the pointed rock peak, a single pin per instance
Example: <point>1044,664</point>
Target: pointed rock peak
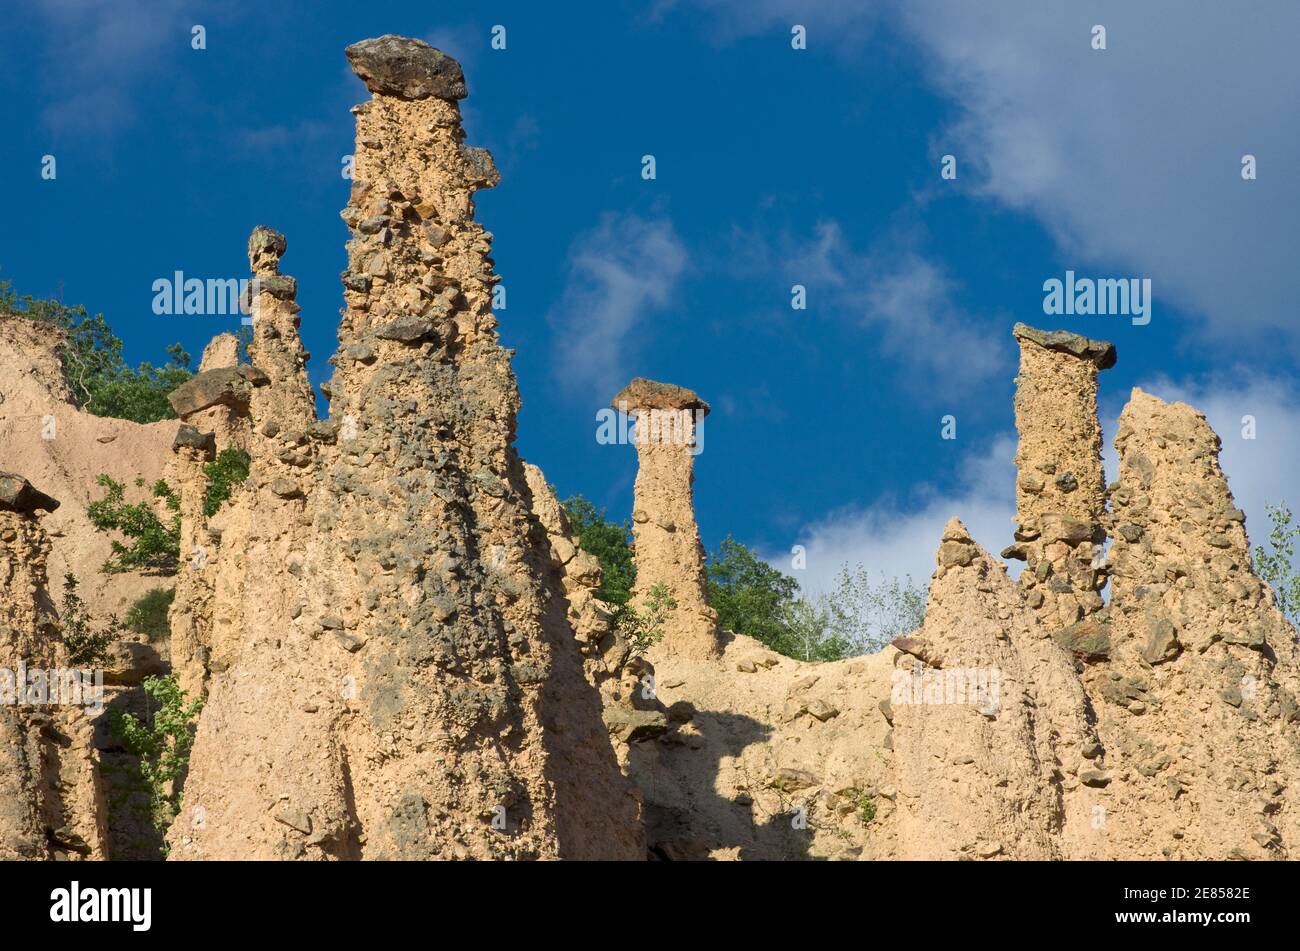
<point>407,68</point>
<point>265,248</point>
<point>1100,352</point>
<point>647,394</point>
<point>957,548</point>
<point>955,531</point>
<point>221,351</point>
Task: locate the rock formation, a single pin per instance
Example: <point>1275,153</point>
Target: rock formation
<point>63,449</point>
<point>665,536</point>
<point>393,672</point>
<point>405,655</point>
<point>50,802</point>
<point>992,746</point>
<point>1195,697</point>
<point>1060,491</point>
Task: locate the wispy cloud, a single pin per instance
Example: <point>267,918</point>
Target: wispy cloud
<point>99,52</point>
<point>620,272</point>
<point>904,299</point>
<point>1131,156</point>
<point>899,537</point>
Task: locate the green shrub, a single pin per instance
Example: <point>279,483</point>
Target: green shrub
<point>86,647</point>
<point>162,745</point>
<point>610,542</point>
<point>644,628</point>
<point>224,473</point>
<point>148,616</point>
<point>1275,563</point>
<point>155,546</point>
<point>101,381</point>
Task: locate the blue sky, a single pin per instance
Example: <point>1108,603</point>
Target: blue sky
<point>775,167</point>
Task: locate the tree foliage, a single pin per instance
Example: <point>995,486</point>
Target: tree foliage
<point>101,380</point>
<point>859,616</point>
<point>224,473</point>
<point>162,742</point>
<point>610,542</point>
<point>643,627</point>
<point>154,546</point>
<point>87,646</point>
<point>1275,563</point>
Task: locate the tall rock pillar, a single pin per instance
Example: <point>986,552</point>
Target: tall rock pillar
<point>666,538</point>
<point>51,806</point>
<point>1061,487</point>
<point>276,349</point>
<point>402,682</point>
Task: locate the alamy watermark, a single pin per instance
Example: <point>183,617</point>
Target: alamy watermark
<point>213,296</point>
<point>59,686</point>
<point>979,687</point>
<point>1085,296</point>
<point>673,427</point>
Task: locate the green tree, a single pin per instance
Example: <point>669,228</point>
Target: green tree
<point>867,614</point>
<point>162,744</point>
<point>224,473</point>
<point>155,545</point>
<point>750,596</point>
<point>610,542</point>
<point>101,381</point>
<point>1276,563</point>
<point>87,647</point>
<point>808,632</point>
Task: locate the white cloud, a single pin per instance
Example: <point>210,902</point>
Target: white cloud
<point>896,538</point>
<point>904,299</point>
<point>1130,156</point>
<point>99,52</point>
<point>620,273</point>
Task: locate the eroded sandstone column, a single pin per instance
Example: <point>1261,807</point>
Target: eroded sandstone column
<point>1196,703</point>
<point>992,747</point>
<point>1060,489</point>
<point>190,616</point>
<point>666,538</point>
<point>401,682</point>
<point>50,802</point>
<point>276,349</point>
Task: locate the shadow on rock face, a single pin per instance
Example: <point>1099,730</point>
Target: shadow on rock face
<point>686,817</point>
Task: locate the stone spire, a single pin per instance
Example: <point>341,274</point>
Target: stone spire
<point>981,695</point>
<point>276,349</point>
<point>1196,702</point>
<point>667,541</point>
<point>1061,488</point>
<point>50,803</point>
<point>401,676</point>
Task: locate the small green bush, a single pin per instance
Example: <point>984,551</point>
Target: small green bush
<point>1274,563</point>
<point>148,616</point>
<point>224,473</point>
<point>644,628</point>
<point>86,647</point>
<point>155,546</point>
<point>162,745</point>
